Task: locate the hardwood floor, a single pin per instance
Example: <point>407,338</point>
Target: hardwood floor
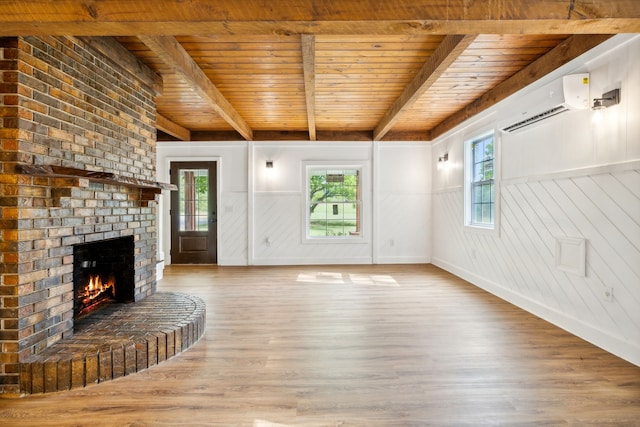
<point>354,346</point>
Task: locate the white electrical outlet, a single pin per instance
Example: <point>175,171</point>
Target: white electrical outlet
<point>608,294</point>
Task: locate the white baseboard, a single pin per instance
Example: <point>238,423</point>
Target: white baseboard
<point>232,261</point>
<point>615,345</point>
<point>312,261</point>
<point>403,260</point>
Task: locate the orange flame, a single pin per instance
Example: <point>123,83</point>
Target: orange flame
<point>97,287</point>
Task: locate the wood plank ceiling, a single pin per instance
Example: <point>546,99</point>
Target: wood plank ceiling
<point>332,69</point>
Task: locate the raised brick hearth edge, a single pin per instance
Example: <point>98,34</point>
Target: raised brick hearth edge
<point>119,340</point>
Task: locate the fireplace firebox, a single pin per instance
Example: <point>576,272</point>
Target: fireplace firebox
<point>103,272</point>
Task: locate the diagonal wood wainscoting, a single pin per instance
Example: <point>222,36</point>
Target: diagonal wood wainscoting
<point>600,205</point>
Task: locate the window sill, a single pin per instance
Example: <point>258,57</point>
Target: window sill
<point>482,229</point>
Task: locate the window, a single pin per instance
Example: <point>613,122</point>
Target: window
<point>194,201</point>
<point>480,206</point>
<point>333,202</point>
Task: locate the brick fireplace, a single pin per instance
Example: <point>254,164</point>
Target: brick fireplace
<point>64,104</point>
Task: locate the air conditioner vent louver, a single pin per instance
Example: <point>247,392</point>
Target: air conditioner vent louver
<point>534,119</point>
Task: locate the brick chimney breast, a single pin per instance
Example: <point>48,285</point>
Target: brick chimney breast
<point>62,103</point>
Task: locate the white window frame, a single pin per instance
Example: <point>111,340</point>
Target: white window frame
<point>468,182</point>
<point>361,167</point>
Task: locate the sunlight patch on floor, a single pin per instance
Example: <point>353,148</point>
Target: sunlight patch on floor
<point>356,279</point>
<point>373,280</point>
<point>321,277</point>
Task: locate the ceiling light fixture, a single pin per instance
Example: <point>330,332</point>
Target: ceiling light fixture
<point>269,164</point>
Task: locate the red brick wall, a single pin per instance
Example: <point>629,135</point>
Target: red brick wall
<point>63,104</point>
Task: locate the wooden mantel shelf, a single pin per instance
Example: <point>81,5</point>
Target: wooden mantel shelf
<point>52,171</point>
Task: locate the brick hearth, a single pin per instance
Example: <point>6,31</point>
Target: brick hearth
<point>119,340</point>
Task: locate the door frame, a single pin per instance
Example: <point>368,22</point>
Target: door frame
<point>164,205</point>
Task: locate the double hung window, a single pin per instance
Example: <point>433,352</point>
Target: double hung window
<point>480,182</point>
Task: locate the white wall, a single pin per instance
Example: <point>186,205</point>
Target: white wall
<point>402,208</point>
<point>279,200</point>
<point>576,175</point>
<point>260,219</point>
<point>232,195</point>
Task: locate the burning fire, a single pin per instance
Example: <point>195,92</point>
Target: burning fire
<point>97,289</point>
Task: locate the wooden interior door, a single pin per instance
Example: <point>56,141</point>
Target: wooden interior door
<point>193,213</point>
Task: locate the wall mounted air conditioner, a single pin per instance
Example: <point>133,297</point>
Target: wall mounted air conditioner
<point>569,92</point>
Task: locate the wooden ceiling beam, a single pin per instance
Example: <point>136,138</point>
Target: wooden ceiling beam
<point>406,135</point>
<point>316,10</point>
<point>566,51</point>
<point>292,28</point>
<point>308,42</point>
<point>172,128</point>
<point>444,55</point>
<point>346,17</point>
<point>173,54</point>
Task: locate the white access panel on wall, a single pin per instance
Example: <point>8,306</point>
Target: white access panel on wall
<point>571,255</point>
